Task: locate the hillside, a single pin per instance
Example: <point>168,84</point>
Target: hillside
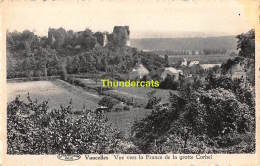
<point>195,43</point>
<point>62,52</point>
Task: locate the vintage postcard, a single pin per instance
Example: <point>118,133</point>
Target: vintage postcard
<point>120,82</point>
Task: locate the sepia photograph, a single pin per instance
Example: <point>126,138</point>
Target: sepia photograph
<point>152,78</point>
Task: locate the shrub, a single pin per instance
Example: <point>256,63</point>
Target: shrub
<point>152,100</point>
<point>108,102</point>
<point>32,129</point>
<point>126,108</point>
<point>200,121</point>
<point>170,83</point>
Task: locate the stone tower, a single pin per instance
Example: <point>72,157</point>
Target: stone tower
<point>121,35</point>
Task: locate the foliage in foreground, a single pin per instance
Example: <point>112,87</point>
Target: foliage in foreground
<point>32,129</point>
<point>199,121</point>
<point>217,116</point>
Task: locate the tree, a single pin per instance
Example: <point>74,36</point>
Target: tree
<point>108,102</point>
<point>56,37</point>
<point>64,73</point>
<point>152,100</point>
<point>170,83</point>
<point>104,64</point>
<point>100,38</point>
<point>45,58</point>
<point>166,59</point>
<point>195,122</point>
<point>90,63</point>
<point>246,44</point>
<point>34,129</point>
<point>219,82</point>
<point>86,39</point>
<point>82,63</point>
<point>76,64</point>
<point>27,67</point>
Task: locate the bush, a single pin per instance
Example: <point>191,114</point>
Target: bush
<point>201,121</point>
<point>170,83</point>
<point>108,102</point>
<point>126,108</point>
<point>32,129</point>
<point>153,101</point>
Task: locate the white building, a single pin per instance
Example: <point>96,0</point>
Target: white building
<point>172,72</point>
<point>208,66</point>
<point>184,62</point>
<point>138,72</point>
<point>192,63</point>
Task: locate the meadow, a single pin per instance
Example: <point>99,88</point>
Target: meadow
<point>139,93</point>
<point>58,92</point>
<point>124,120</point>
<point>55,92</point>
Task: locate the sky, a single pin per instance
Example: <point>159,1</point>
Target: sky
<point>155,18</point>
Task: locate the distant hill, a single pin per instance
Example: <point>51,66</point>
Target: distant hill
<point>194,43</point>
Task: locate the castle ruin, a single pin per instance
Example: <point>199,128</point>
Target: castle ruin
<point>119,37</point>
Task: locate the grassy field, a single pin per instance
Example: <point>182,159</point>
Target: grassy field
<point>58,93</point>
<point>124,120</point>
<point>141,93</point>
